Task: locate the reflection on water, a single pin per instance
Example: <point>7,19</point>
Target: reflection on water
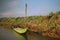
<point>12,35</point>
<point>20,36</point>
<point>33,36</point>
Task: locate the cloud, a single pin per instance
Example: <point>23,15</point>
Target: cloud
<point>13,4</point>
<point>10,9</point>
<point>12,14</point>
<point>9,5</point>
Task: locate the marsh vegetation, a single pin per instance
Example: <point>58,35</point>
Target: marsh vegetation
<point>47,25</point>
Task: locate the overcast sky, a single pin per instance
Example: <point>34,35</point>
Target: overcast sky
<point>15,8</point>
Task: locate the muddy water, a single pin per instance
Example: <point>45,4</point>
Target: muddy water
<point>6,34</point>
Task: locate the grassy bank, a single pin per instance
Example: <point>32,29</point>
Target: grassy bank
<point>45,24</point>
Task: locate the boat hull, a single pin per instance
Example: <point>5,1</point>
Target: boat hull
<point>20,30</point>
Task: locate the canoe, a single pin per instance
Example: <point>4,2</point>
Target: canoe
<point>20,30</point>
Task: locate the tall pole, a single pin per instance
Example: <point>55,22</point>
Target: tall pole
<point>25,9</point>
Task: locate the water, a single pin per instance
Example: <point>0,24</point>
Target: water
<point>6,34</point>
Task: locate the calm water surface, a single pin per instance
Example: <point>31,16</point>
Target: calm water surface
<point>6,34</point>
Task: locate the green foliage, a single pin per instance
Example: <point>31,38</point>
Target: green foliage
<point>42,21</point>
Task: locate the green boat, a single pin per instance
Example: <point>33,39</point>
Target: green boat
<point>20,30</point>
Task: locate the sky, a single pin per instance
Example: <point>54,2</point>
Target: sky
<point>15,8</point>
